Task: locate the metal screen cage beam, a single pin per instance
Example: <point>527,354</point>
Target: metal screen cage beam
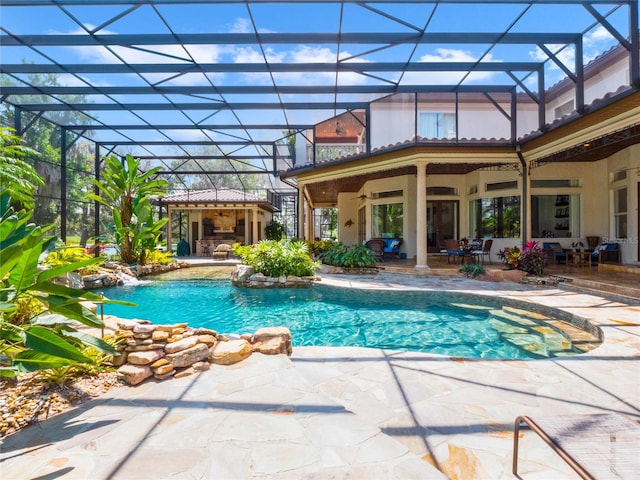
<point>518,75</point>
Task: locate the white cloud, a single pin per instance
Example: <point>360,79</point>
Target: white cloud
<point>447,78</point>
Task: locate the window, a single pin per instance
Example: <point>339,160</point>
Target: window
<point>557,183</point>
<point>619,175</point>
<point>387,220</point>
<point>433,191</point>
<point>437,125</point>
<point>492,187</point>
<point>620,212</point>
<point>564,109</point>
<point>555,216</point>
<point>390,194</point>
<point>495,217</point>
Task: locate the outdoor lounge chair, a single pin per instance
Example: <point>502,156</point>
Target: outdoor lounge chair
<point>377,245</point>
<point>221,252</point>
<point>602,446</point>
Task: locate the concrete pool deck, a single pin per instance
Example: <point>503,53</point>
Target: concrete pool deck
<point>333,412</point>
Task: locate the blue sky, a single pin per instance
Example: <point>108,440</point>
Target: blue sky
<point>294,18</point>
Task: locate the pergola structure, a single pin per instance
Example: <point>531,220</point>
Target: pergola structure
<point>188,83</point>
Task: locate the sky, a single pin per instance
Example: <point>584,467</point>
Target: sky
<point>240,17</point>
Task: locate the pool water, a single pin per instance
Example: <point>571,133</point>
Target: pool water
<point>432,322</point>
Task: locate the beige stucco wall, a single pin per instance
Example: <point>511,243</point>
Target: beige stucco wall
<point>595,190</point>
<point>629,160</point>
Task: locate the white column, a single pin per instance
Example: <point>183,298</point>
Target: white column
<point>310,224</point>
<point>421,215</point>
<point>301,211</point>
<point>169,229</point>
<point>254,225</point>
<point>246,226</point>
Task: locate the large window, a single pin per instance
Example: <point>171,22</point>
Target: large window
<point>620,212</point>
<point>497,217</point>
<point>387,220</point>
<point>437,125</point>
<point>555,216</point>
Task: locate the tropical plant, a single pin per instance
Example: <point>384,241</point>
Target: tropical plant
<point>65,256</point>
<point>274,230</point>
<point>127,192</point>
<point>348,256</point>
<point>472,270</point>
<point>320,246</point>
<point>18,179</point>
<point>159,257</point>
<point>510,256</point>
<point>277,258</point>
<point>37,315</point>
<point>530,259</point>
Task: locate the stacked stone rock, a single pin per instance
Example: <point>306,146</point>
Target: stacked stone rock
<point>245,276</point>
<point>167,351</point>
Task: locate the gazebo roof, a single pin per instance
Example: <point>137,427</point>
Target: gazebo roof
<point>216,196</point>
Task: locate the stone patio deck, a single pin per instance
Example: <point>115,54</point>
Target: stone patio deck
<point>332,412</point>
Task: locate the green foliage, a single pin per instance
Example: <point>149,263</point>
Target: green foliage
<point>127,192</point>
<point>65,256</point>
<point>510,256</point>
<point>274,230</point>
<point>277,258</point>
<point>348,256</point>
<point>320,246</point>
<point>472,270</point>
<point>36,315</point>
<point>18,179</point>
<point>159,257</point>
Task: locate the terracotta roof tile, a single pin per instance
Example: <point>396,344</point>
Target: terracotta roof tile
<point>214,195</point>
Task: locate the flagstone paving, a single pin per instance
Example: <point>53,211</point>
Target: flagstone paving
<point>335,413</point>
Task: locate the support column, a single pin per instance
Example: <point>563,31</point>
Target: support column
<point>421,215</point>
<point>310,223</point>
<point>63,185</point>
<point>301,211</point>
<point>96,191</point>
<point>525,212</point>
<point>169,239</point>
<point>246,226</point>
<point>254,225</point>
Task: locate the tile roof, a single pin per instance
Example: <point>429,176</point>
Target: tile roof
<point>214,195</point>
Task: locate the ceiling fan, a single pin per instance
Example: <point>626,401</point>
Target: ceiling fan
<point>362,197</point>
<point>341,132</point>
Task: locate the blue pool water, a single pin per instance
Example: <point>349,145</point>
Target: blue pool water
<point>430,322</point>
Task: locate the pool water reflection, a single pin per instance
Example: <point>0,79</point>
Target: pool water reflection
<point>433,322</point>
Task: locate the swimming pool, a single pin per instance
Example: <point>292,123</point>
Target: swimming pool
<point>433,322</point>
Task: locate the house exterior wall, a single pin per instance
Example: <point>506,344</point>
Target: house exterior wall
<point>626,160</point>
<point>594,189</point>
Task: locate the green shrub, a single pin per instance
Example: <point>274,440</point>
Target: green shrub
<point>65,256</point>
<point>348,256</point>
<point>530,259</point>
<point>274,230</point>
<point>472,270</point>
<point>158,257</point>
<point>277,258</point>
<point>320,246</point>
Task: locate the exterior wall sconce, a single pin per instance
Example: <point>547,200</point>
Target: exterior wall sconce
<point>348,223</point>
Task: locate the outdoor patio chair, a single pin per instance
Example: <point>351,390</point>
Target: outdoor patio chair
<point>377,245</point>
<point>221,252</point>
<point>483,251</point>
<point>453,250</point>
